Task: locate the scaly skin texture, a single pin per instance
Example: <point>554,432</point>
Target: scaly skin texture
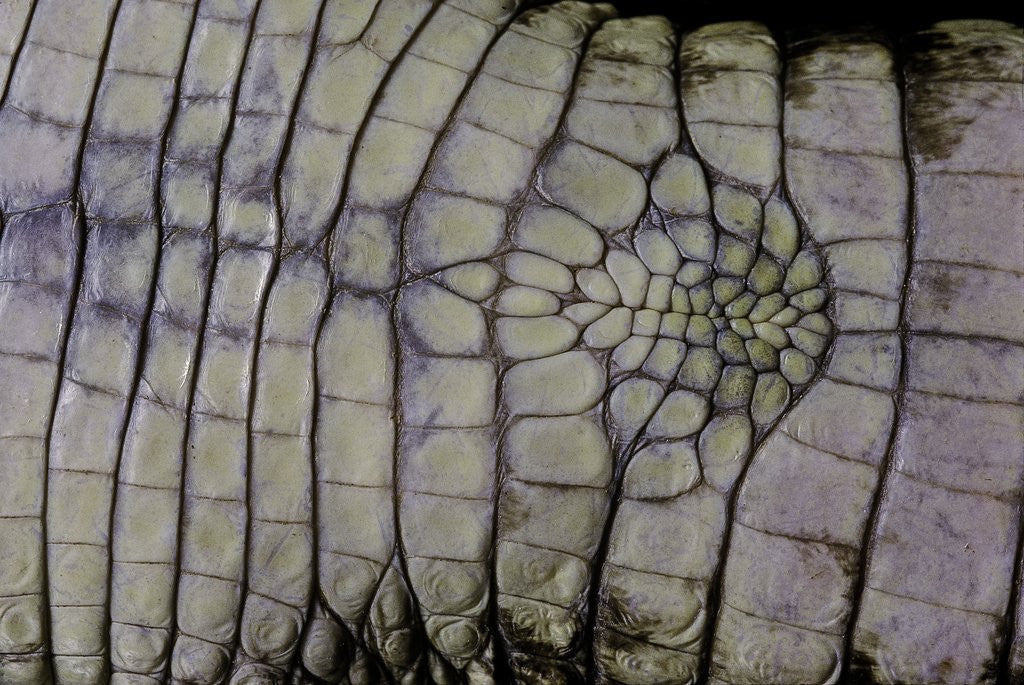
<point>358,341</point>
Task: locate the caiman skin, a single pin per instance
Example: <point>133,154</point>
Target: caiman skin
<point>358,341</point>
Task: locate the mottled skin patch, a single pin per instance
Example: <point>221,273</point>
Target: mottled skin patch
<point>939,52</point>
<point>800,93</point>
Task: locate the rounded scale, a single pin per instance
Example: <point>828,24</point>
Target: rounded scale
<point>567,383</point>
<point>473,280</point>
<point>138,648</point>
<point>537,627</point>
<point>598,286</point>
<point>630,275</point>
<point>610,330</point>
<point>559,235</point>
<point>679,186</point>
<point>455,636</point>
<point>256,674</point>
<point>325,649</point>
<point>630,354</point>
<point>738,212</point>
<point>661,471</point>
<point>637,662</point>
<point>724,446</point>
<point>682,413</point>
<point>658,252</point>
<point>532,337</point>
<point>270,630</point>
<point>632,403</point>
<point>197,661</point>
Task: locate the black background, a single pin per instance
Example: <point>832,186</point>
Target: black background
<point>793,20</point>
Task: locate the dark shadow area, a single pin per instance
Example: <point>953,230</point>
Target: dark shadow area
<point>798,19</point>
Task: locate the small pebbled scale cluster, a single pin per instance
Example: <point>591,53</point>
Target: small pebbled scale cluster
<point>726,310</point>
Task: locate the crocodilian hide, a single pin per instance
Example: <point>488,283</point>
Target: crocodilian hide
<point>358,341</point>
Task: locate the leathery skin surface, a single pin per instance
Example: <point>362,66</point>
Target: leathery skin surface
<point>400,341</point>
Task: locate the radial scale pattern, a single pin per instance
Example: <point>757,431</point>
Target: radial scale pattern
<point>473,341</point>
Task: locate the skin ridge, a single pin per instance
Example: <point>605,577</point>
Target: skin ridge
<point>79,211</point>
<point>807,48</point>
<point>325,247</point>
<point>320,249</point>
<point>504,650</point>
<point>201,335</point>
<point>1002,668</point>
<point>621,462</point>
<point>927,138</point>
<point>334,290</point>
<point>502,657</point>
<point>144,329</point>
<point>421,184</point>
<point>855,664</point>
<point>258,343</point>
<point>13,64</point>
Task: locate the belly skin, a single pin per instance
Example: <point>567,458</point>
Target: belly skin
<point>398,341</point>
